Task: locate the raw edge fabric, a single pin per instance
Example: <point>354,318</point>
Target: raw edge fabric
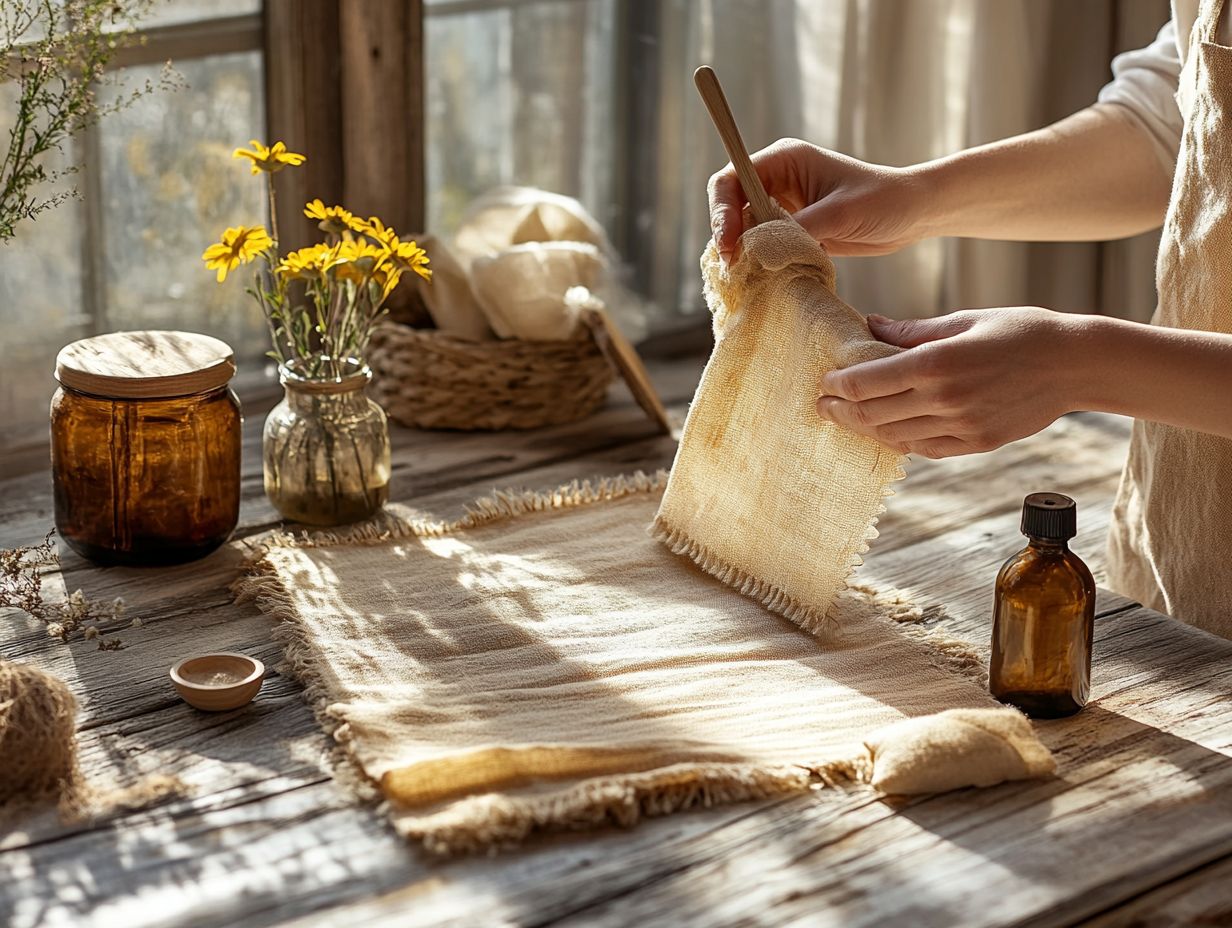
<point>542,664</point>
<point>764,494</point>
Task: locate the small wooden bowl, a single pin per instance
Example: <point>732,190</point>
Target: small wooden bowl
<point>218,682</point>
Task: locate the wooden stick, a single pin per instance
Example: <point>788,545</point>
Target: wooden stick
<point>761,205</point>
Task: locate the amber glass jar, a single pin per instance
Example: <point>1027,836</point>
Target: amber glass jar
<point>1044,616</point>
<point>145,447</point>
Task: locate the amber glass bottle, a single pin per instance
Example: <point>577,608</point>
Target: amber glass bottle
<point>1044,616</point>
<point>145,447</point>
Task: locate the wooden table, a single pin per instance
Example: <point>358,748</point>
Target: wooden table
<point>1136,828</point>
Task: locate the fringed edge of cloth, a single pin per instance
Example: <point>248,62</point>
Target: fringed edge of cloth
<point>501,505</point>
<point>812,618</point>
<point>487,822</point>
<point>945,650</point>
<point>483,824</point>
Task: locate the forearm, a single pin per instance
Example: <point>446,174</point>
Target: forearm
<point>1090,177</point>
<point>1176,376</point>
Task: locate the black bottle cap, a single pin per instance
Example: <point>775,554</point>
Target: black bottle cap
<point>1051,516</point>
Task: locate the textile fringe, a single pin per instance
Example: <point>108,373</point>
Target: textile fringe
<point>262,586</point>
<point>769,595</point>
<point>945,650</point>
<point>773,597</point>
<point>500,506</point>
<point>491,821</point>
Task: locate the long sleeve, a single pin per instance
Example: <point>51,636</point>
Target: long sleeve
<point>1145,82</point>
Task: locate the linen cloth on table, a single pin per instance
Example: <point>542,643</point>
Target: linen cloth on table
<point>544,663</point>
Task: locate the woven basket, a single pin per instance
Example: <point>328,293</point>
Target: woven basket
<point>433,381</point>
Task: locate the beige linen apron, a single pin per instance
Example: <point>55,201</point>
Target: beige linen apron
<point>1171,538</point>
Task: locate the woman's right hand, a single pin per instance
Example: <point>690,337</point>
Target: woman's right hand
<point>849,206</point>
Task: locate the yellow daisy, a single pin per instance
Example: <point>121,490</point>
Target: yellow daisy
<point>271,159</point>
<point>387,279</point>
<point>358,260</point>
<point>378,232</point>
<point>333,218</point>
<point>308,263</point>
<point>239,245</point>
<point>408,256</point>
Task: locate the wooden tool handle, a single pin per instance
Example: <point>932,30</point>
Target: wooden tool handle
<point>707,82</point>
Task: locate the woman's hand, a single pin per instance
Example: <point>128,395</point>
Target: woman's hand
<point>850,207</point>
<point>970,381</point>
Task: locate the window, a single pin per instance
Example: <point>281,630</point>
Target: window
<point>590,98</point>
<point>156,183</point>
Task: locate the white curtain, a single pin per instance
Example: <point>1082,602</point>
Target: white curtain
<point>594,98</point>
<point>903,81</point>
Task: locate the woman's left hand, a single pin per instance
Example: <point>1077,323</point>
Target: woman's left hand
<point>968,382</point>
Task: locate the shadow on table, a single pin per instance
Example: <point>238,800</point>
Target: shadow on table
<point>1127,801</point>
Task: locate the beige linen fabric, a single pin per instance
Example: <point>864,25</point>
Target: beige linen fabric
<point>507,216</point>
<point>957,747</point>
<point>522,289</point>
<point>765,494</point>
<point>1171,535</point>
<point>544,663</point>
<point>448,296</point>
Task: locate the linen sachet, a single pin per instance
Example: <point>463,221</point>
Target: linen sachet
<point>764,494</point>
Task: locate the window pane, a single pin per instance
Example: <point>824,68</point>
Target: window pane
<point>170,187</point>
<point>520,94</point>
<point>40,297</point>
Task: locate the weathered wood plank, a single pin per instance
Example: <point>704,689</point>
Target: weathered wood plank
<point>952,577</point>
<point>249,858</point>
<point>1078,455</point>
<point>423,461</point>
<point>1201,897</point>
<point>614,885</point>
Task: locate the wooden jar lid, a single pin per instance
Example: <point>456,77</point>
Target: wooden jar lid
<point>145,365</point>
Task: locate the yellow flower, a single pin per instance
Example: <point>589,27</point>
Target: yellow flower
<point>408,256</point>
<point>271,159</point>
<point>310,262</point>
<point>377,231</point>
<point>239,245</point>
<point>358,260</point>
<point>386,278</point>
<point>333,218</point>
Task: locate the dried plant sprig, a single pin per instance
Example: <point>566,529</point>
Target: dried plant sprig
<point>21,587</point>
<point>57,52</point>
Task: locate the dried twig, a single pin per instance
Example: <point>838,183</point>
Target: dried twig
<point>21,587</point>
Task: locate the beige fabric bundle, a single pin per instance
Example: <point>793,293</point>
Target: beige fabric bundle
<point>523,249</point>
<point>957,747</point>
<point>507,216</point>
<point>544,663</point>
<point>448,296</point>
<point>522,289</point>
<point>764,494</point>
